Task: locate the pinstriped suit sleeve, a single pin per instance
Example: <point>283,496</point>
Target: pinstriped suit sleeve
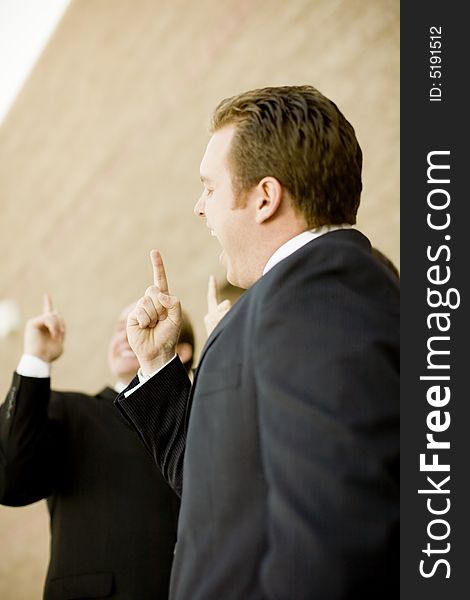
<point>158,410</point>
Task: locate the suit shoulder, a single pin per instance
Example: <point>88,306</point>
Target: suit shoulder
<point>67,402</point>
<point>337,264</point>
<point>71,396</point>
<point>318,257</point>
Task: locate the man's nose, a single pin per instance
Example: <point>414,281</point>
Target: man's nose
<point>199,206</point>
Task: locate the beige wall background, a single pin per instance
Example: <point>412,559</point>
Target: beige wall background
<point>99,163</point>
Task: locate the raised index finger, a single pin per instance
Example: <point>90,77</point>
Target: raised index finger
<point>159,275</point>
<point>212,294</point>
<point>47,304</point>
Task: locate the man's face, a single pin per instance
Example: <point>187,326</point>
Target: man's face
<point>122,360</point>
<point>230,225</point>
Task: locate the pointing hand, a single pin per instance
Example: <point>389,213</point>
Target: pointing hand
<point>153,327</point>
<point>44,334</point>
<point>215,310</point>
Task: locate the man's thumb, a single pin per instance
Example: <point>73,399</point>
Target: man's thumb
<point>171,303</point>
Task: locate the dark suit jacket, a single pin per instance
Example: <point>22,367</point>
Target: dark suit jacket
<point>113,517</point>
<point>289,435</point>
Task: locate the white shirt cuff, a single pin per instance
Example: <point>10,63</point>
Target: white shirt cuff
<point>143,378</point>
<point>32,366</point>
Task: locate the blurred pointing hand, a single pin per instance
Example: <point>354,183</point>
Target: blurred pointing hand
<point>215,310</point>
<point>44,334</point>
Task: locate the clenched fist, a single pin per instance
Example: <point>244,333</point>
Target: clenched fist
<point>44,334</point>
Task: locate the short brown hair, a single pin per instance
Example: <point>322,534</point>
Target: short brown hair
<point>301,138</point>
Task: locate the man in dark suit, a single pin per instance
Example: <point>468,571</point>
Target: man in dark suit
<point>285,448</point>
<point>113,517</point>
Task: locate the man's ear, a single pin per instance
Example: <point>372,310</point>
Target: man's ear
<point>269,194</point>
<point>184,351</point>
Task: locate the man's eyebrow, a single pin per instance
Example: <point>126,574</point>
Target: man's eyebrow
<point>205,179</point>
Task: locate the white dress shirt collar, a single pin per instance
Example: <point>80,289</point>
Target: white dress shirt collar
<point>298,241</point>
<point>120,386</point>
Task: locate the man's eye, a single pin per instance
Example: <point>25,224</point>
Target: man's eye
<point>209,191</point>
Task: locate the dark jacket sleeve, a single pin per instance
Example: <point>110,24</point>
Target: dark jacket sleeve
<point>30,442</point>
<point>159,412</point>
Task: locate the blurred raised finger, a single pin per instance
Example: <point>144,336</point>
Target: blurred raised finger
<point>212,294</point>
<point>53,325</point>
<point>47,306</point>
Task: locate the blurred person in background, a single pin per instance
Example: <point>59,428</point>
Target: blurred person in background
<point>113,518</point>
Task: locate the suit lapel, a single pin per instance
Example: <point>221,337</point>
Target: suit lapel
<point>215,334</point>
<point>210,340</point>
<point>221,326</point>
